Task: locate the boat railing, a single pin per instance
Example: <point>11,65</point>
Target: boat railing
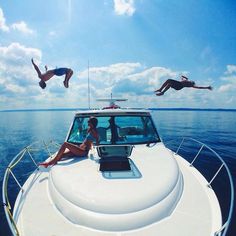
<point>26,152</point>
<point>223,230</point>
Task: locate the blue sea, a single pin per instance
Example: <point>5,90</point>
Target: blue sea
<point>215,128</point>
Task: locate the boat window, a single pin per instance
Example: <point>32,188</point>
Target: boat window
<point>120,129</point>
<point>78,131</point>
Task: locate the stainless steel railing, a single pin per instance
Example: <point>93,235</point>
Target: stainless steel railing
<point>46,146</point>
<point>223,230</point>
<point>27,151</point>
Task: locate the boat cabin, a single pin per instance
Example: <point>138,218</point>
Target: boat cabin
<point>120,128</point>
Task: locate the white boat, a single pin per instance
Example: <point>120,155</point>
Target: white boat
<point>130,184</point>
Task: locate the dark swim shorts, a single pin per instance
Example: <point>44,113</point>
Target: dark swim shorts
<point>60,71</point>
<point>177,85</point>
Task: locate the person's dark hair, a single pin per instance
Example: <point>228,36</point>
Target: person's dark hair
<point>42,84</point>
<point>93,120</point>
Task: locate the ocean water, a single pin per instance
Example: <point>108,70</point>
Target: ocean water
<point>215,128</point>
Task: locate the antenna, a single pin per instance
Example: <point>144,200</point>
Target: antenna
<point>111,101</point>
<point>88,87</point>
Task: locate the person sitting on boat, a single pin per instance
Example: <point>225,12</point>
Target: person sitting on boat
<point>178,85</point>
<point>114,130</point>
<point>50,73</point>
<point>69,149</point>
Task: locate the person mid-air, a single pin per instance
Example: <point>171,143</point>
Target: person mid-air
<point>50,73</point>
<point>178,85</point>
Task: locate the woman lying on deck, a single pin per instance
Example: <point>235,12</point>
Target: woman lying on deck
<point>69,149</point>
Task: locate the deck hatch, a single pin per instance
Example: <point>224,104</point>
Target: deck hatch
<point>114,158</point>
<point>115,163</point>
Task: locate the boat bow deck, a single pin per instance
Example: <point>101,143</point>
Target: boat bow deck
<point>70,202</point>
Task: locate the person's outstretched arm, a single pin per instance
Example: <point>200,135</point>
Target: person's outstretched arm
<point>202,87</point>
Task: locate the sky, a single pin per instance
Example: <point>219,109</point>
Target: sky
<point>131,48</point>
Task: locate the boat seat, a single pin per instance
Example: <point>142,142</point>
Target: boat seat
<point>102,134</point>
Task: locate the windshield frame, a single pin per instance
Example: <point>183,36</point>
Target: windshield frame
<point>83,121</point>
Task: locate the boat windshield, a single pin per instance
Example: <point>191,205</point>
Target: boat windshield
<point>132,129</point>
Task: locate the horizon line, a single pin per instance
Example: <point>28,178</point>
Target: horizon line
<point>150,108</point>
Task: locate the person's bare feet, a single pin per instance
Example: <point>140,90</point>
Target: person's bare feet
<point>44,164</point>
<point>65,82</point>
<point>159,94</point>
<point>68,76</point>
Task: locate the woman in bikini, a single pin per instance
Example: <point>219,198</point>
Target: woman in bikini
<point>69,149</point>
<point>178,85</point>
<point>50,73</point>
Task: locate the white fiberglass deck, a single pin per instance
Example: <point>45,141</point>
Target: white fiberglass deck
<point>74,198</point>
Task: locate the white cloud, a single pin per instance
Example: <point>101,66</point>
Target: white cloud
<point>3,25</point>
<point>124,7</point>
<point>230,69</point>
<point>229,79</point>
<point>22,27</point>
<point>19,26</point>
<point>16,70</point>
<point>226,88</point>
<point>16,55</point>
<point>144,82</point>
<point>109,75</point>
<point>124,80</point>
<point>14,88</point>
